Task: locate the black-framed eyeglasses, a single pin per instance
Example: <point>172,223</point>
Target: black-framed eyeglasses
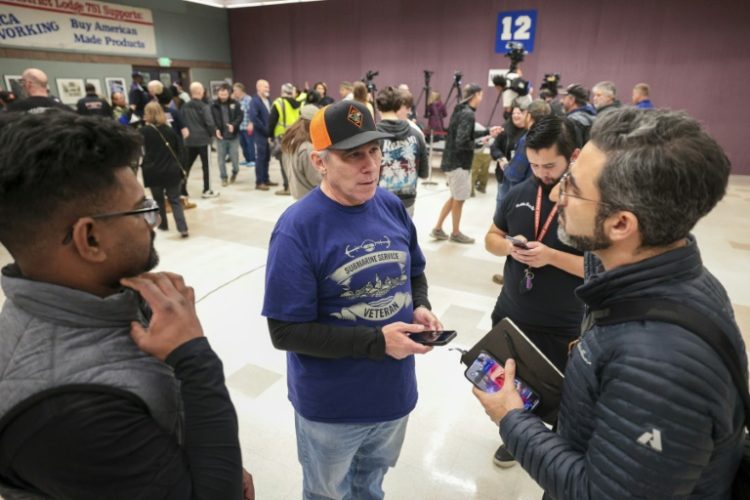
<point>564,193</point>
<point>149,211</point>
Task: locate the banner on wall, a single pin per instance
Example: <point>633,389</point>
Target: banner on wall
<point>88,26</point>
<point>518,26</point>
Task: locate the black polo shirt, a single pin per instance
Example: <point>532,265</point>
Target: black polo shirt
<point>551,303</point>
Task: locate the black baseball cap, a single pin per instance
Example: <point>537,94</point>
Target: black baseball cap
<point>344,125</point>
<point>578,91</point>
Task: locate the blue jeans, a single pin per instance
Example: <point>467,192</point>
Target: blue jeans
<point>230,147</point>
<point>248,146</point>
<point>261,159</point>
<point>347,461</point>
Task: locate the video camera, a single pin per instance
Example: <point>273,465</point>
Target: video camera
<point>368,80</point>
<point>515,54</point>
<point>551,83</point>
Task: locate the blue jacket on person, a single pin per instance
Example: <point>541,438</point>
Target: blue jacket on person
<point>519,169</point>
<point>259,116</point>
<point>645,104</point>
<point>648,409</point>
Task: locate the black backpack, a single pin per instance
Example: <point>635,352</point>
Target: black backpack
<point>669,311</point>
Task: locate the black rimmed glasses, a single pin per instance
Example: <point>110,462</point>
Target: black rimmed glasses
<point>149,211</point>
<point>564,193</point>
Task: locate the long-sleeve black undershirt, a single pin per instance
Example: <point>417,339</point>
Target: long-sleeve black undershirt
<point>331,341</point>
<point>94,445</point>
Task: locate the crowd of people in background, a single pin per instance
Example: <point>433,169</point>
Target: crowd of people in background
<point>590,211</point>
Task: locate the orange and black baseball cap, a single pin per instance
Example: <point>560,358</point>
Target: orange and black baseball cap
<point>344,125</point>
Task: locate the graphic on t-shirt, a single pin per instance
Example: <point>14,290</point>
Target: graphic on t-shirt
<point>373,275</point>
<point>367,246</point>
<point>525,204</point>
<point>398,172</point>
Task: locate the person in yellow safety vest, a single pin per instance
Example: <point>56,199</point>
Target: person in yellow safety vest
<point>285,110</point>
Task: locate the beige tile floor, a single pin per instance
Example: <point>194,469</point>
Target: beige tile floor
<point>449,444</point>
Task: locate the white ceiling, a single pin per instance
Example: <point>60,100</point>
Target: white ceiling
<point>237,4</point>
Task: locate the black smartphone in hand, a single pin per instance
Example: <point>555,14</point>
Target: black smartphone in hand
<point>517,243</point>
<point>433,337</point>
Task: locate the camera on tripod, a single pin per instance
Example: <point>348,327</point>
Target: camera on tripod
<point>551,83</point>
<point>515,54</point>
<point>368,80</point>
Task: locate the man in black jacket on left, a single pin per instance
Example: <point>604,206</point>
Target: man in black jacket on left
<point>456,163</point>
<point>227,115</point>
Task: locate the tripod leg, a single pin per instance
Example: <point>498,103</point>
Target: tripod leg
<point>429,181</point>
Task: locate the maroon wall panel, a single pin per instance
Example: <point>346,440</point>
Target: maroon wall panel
<point>695,54</point>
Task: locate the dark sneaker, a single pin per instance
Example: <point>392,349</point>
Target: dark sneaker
<point>503,458</point>
<point>439,234</point>
<point>462,238</point>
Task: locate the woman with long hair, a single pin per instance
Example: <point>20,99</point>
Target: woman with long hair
<point>162,170</point>
<point>322,89</point>
<point>436,112</point>
<point>295,151</point>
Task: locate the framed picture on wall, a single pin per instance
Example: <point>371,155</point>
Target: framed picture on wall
<point>97,85</point>
<point>166,79</point>
<point>13,83</point>
<point>215,86</point>
<point>70,89</point>
<point>116,85</point>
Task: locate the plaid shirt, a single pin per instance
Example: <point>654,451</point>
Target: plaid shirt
<point>245,106</point>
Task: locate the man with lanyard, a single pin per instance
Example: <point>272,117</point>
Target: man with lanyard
<point>541,273</point>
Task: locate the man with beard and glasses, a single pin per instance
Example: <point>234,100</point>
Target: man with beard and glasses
<point>649,409</point>
<point>109,388</point>
<point>541,275</point>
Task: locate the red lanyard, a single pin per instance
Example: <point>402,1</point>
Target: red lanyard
<point>538,216</point>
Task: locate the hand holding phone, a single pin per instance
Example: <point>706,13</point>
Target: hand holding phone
<point>488,375</point>
<point>518,243</point>
<point>397,342</point>
<point>433,337</point>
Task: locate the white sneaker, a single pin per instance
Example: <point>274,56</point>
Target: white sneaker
<point>209,194</point>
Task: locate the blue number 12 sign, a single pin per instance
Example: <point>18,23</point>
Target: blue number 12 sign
<point>515,26</point>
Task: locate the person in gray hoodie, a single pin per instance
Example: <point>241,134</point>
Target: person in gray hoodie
<point>109,388</point>
<point>405,155</point>
<point>200,122</point>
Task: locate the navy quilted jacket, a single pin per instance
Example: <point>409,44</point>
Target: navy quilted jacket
<point>648,409</point>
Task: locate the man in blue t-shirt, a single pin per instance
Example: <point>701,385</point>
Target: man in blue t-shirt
<point>345,285</point>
